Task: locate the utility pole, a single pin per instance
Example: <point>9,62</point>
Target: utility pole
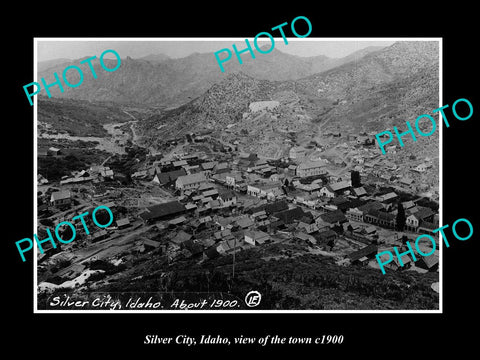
<point>234,250</point>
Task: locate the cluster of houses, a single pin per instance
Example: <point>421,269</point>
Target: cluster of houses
<point>223,206</point>
<point>64,204</point>
<point>95,174</point>
<point>364,155</point>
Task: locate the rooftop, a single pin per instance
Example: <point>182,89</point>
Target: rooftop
<point>341,185</point>
<point>161,210</point>
<point>191,179</point>
<point>60,195</point>
<point>310,165</point>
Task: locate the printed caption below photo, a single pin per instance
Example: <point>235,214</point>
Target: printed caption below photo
<point>187,340</point>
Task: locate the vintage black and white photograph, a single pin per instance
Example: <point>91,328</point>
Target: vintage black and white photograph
<point>181,174</point>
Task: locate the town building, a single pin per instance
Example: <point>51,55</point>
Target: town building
<point>162,211</point>
<point>380,218</point>
<point>227,198</point>
<point>297,153</point>
<point>61,198</point>
<point>190,182</point>
<point>415,220</point>
<point>327,191</point>
<point>256,237</point>
<point>354,214</point>
<point>123,223</point>
<point>311,168</point>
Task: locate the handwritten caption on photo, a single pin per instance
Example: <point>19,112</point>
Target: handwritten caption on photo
<point>185,301</point>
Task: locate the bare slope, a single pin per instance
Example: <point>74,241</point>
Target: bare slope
<point>157,80</point>
<point>383,88</point>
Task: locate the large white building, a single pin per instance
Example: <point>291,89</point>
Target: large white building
<point>311,168</point>
<point>189,182</point>
<point>297,152</point>
<point>261,105</point>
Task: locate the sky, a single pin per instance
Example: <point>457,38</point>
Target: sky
<point>75,48</point>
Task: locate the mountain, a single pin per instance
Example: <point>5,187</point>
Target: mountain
<point>397,82</point>
<point>155,58</point>
<point>220,105</point>
<point>77,117</point>
<point>383,88</point>
<point>47,64</point>
<point>322,63</point>
<point>157,81</point>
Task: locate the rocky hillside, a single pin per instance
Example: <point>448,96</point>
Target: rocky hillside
<point>382,89</point>
<point>156,80</point>
<point>77,117</point>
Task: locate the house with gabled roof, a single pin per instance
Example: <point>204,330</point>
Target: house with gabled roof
<point>308,228</point>
<point>54,151</point>
<point>244,222</point>
<point>429,263</point>
<point>387,198</point>
<point>221,167</point>
<point>189,182</point>
<point>311,168</point>
<point>99,235</point>
<point>141,174</point>
<point>354,214</point>
<point>326,236</point>
<point>210,253</point>
<point>208,166</point>
<point>407,205</point>
<point>363,255</point>
<point>334,217</point>
<point>230,246</point>
<point>162,211</point>
<point>165,178</point>
<point>61,198</point>
<point>360,191</point>
<point>395,264</point>
<point>423,214</point>
<point>181,237</point>
<point>375,205</point>
<point>41,180</point>
<point>380,218</point>
<point>227,198</point>
<point>297,153</point>
<point>327,191</point>
<point>212,193</point>
<point>123,223</point>
<point>276,206</point>
<point>291,215</point>
<point>233,178</point>
<point>341,186</point>
<point>205,187</point>
<point>256,237</point>
<point>179,163</point>
<point>309,239</point>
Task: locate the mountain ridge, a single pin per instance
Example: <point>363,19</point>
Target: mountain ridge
<point>173,82</point>
<point>382,89</point>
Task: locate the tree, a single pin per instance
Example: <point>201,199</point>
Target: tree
<point>355,177</point>
<point>401,218</point>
